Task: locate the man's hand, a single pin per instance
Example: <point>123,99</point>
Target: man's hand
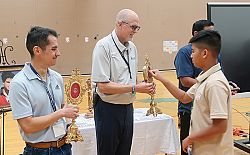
<point>185,143</point>
<point>233,87</point>
<point>156,74</point>
<point>144,87</point>
<point>70,111</point>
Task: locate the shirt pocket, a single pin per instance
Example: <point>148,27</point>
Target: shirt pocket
<point>198,96</point>
<point>200,101</point>
<point>118,67</point>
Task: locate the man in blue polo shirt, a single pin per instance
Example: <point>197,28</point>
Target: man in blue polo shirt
<point>186,73</point>
<point>37,97</point>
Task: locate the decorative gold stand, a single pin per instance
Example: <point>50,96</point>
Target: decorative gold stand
<point>90,113</point>
<point>74,91</point>
<point>149,79</point>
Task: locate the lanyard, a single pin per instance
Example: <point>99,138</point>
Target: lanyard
<point>51,98</point>
<point>127,62</point>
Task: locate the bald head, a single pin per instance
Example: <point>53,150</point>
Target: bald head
<point>126,15</point>
<point>126,25</point>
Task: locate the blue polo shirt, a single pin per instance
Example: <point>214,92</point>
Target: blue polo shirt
<point>185,68</point>
<point>28,97</point>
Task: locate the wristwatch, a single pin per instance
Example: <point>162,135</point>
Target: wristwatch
<point>133,90</point>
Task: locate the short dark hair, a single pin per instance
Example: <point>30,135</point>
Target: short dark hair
<point>38,36</point>
<point>200,25</point>
<point>209,38</point>
<point>6,75</point>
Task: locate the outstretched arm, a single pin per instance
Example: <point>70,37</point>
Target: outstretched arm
<point>175,91</point>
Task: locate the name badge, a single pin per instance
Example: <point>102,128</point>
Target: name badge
<point>58,129</point>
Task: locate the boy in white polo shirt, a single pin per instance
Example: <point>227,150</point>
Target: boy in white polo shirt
<point>211,126</point>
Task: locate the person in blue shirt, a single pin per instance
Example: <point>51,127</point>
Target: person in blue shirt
<point>36,97</point>
<point>186,73</point>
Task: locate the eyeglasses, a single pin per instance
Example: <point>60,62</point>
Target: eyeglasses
<point>133,27</point>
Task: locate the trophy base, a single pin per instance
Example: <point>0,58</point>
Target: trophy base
<point>153,110</point>
<point>73,134</point>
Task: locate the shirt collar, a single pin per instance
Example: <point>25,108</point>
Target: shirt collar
<point>29,73</point>
<point>117,41</point>
<point>204,75</point>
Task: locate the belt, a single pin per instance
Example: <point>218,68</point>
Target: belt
<point>44,145</point>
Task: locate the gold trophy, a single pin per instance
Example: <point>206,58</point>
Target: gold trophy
<point>149,79</point>
<point>90,113</point>
<point>74,91</point>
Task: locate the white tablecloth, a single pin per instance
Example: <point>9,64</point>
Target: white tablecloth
<point>152,135</point>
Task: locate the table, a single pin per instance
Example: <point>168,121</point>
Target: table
<point>152,135</point>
